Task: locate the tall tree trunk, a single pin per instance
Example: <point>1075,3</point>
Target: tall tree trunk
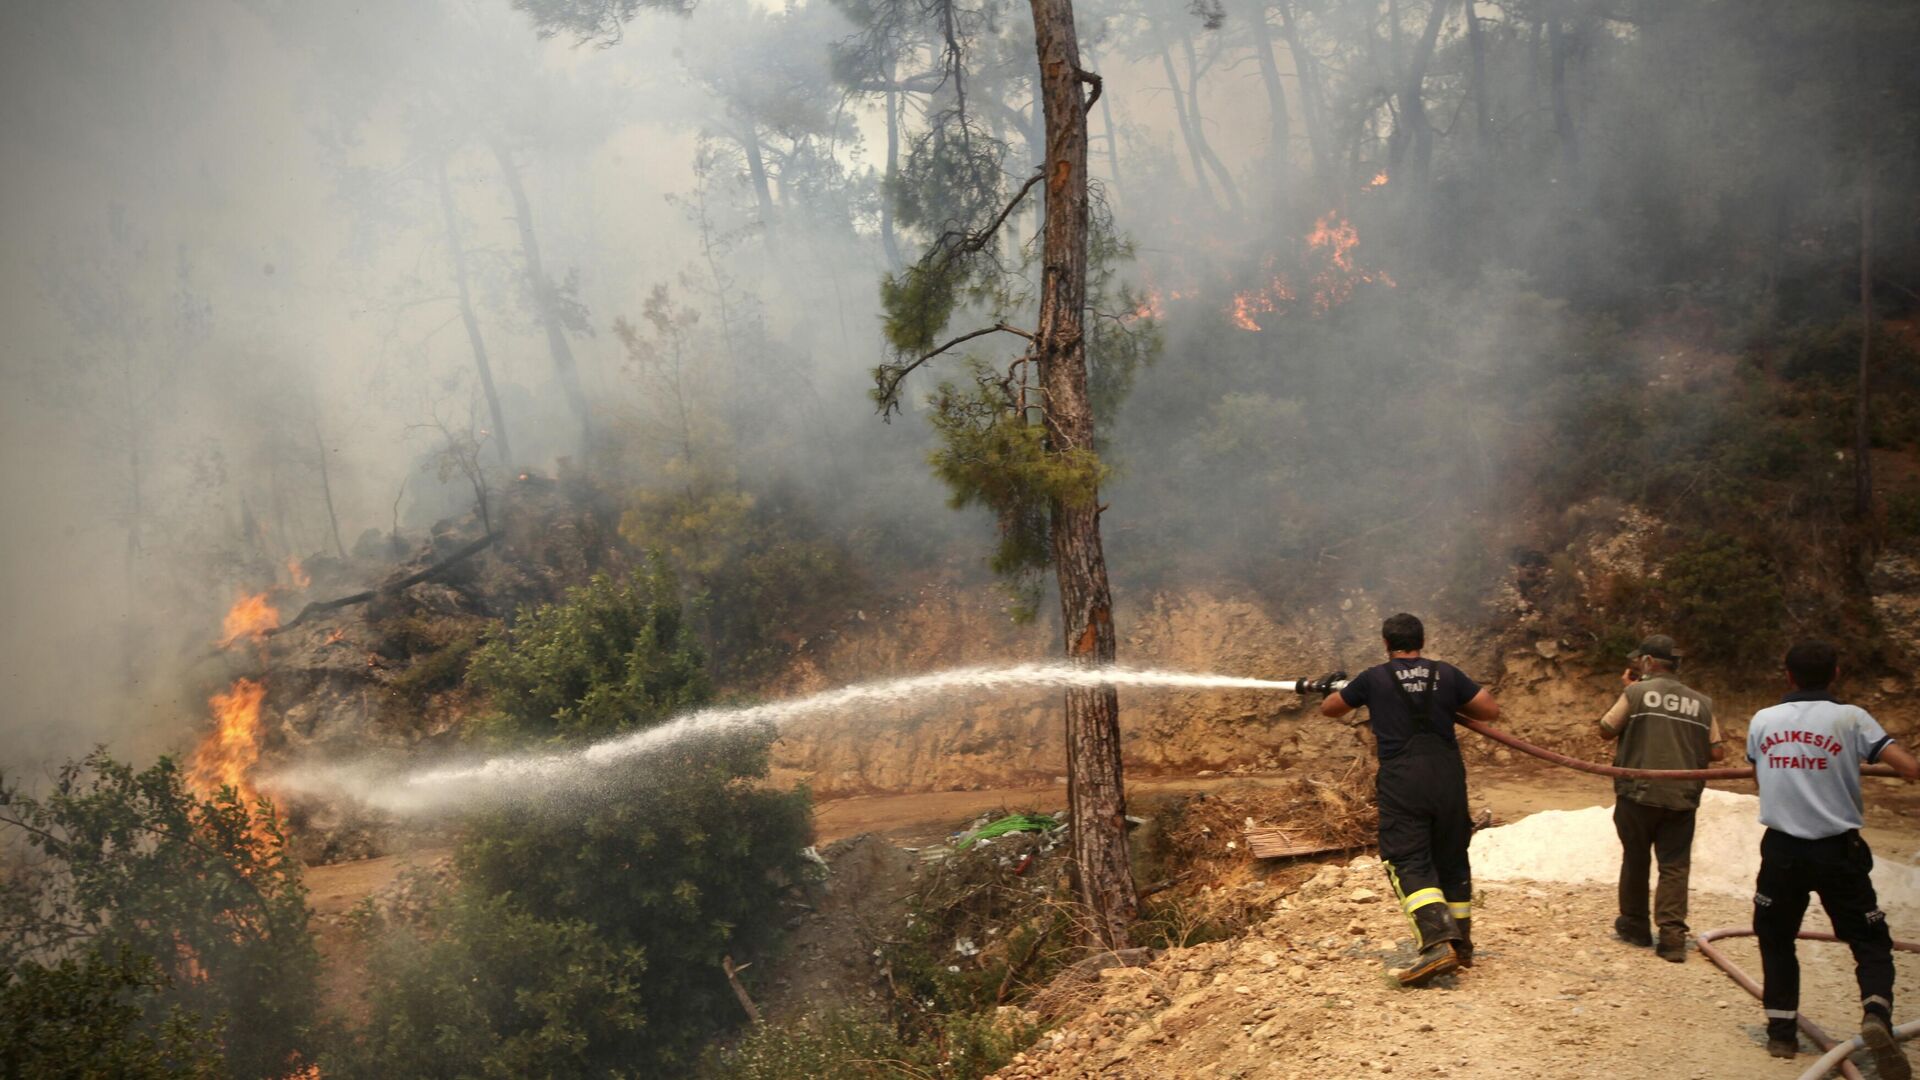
<point>546,300</point>
<point>1482,114</point>
<point>1227,186</point>
<point>1862,416</point>
<point>1309,98</point>
<point>1186,128</point>
<point>458,252</point>
<point>1562,110</point>
<point>1279,124</point>
<point>888,241</point>
<point>749,138</point>
<point>326,485</point>
<point>1411,131</point>
<point>1095,790</point>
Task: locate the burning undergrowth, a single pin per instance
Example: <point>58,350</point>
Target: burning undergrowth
<point>374,659</point>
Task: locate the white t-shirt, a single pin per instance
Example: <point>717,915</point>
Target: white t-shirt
<point>1806,754</point>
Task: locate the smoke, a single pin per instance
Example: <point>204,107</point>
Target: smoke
<point>241,230</point>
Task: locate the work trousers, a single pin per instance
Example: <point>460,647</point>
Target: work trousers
<point>1668,834</point>
<point>1424,832</point>
<point>1835,867</point>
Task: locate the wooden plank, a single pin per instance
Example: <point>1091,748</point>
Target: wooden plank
<point>1273,842</point>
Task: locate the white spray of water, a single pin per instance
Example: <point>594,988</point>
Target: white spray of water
<point>516,775</point>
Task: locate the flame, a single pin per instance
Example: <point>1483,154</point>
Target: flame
<point>1330,246</point>
<point>335,635</point>
<point>227,754</point>
<point>1265,300</point>
<point>1335,237</point>
<point>1379,179</point>
<point>249,617</point>
<point>297,573</point>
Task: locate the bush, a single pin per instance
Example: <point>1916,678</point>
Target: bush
<point>138,871</point>
<point>483,989</point>
<point>89,1018</point>
<point>756,570</point>
<point>1725,598</point>
<point>587,933</point>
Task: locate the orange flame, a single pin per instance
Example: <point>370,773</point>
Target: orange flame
<point>1265,300</point>
<point>1336,238</point>
<point>297,573</point>
<point>249,617</point>
<point>226,756</point>
<point>1379,179</point>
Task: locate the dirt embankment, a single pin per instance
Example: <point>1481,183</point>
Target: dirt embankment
<point>1550,690</point>
<point>1003,740</point>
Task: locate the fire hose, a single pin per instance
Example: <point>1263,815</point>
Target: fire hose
<point>1836,1052</point>
<point>1302,686</point>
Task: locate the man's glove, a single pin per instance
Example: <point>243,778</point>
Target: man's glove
<point>1325,683</point>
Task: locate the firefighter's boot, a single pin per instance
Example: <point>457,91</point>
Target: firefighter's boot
<point>1783,1038</point>
<point>1436,936</point>
<point>1464,946</point>
<point>1633,931</point>
<point>1877,1032</point>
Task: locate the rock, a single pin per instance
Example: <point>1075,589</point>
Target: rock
<point>1547,648</point>
<point>1297,974</point>
<point>1364,896</point>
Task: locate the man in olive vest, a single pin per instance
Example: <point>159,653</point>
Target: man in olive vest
<point>1660,723</point>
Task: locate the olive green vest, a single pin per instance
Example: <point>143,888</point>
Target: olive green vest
<point>1668,726</point>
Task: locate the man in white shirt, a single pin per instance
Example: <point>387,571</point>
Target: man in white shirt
<point>1806,754</point>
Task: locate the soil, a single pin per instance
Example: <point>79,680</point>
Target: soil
<point>1552,995</point>
<point>827,961</point>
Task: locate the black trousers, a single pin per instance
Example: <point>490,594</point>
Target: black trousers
<point>1836,868</point>
<point>1668,835</point>
<point>1424,832</point>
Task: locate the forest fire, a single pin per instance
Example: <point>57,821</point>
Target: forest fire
<point>1265,300</point>
<point>228,754</point>
<point>250,616</point>
<point>1336,237</point>
<point>297,573</point>
<point>1330,243</point>
<point>1379,179</point>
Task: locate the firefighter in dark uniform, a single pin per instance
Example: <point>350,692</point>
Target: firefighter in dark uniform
<point>1425,826</point>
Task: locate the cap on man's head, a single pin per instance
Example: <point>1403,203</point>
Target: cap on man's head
<point>1658,646</point>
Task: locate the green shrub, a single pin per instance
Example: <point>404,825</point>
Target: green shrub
<point>92,1016</point>
<point>1724,598</point>
<point>588,929</point>
<point>137,876</point>
<point>484,989</point>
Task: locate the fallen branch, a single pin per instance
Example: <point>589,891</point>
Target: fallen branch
<point>739,991</point>
<point>321,607</point>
